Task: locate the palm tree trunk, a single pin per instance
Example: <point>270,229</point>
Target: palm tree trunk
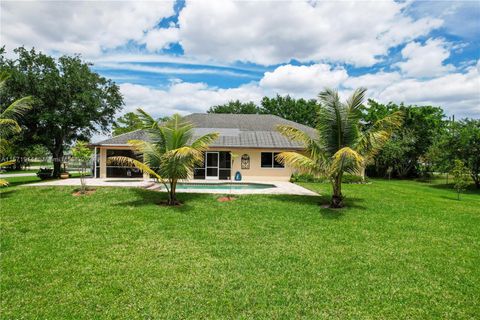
<point>172,197</point>
<point>362,173</point>
<point>337,197</point>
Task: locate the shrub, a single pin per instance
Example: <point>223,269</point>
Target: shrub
<point>45,173</point>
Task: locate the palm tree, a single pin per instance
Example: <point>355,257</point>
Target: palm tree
<point>338,147</point>
<point>8,121</point>
<point>171,155</point>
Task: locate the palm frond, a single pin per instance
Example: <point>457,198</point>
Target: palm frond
<point>204,141</point>
<point>17,109</point>
<point>3,183</point>
<point>7,163</point>
<point>147,120</point>
<point>185,154</point>
<point>313,147</point>
<point>346,159</point>
<point>9,126</point>
<point>300,162</point>
<point>129,162</point>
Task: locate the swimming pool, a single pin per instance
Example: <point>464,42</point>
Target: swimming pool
<point>223,186</point>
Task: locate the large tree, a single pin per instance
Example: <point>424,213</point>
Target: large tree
<point>298,110</point>
<point>410,143</point>
<point>70,100</point>
<point>461,141</point>
<point>235,107</point>
<point>130,121</point>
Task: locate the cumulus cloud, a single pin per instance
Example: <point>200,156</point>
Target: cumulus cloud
<point>86,27</point>
<point>184,97</point>
<point>160,38</point>
<point>303,80</point>
<point>457,93</point>
<point>270,32</point>
<point>425,60</point>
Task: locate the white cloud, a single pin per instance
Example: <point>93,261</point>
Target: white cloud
<point>425,60</point>
<point>271,32</point>
<point>457,93</point>
<point>158,39</point>
<point>86,27</point>
<point>184,97</point>
<point>303,80</point>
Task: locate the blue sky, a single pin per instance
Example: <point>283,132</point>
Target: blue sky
<point>185,56</point>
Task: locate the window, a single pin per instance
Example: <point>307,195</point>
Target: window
<point>268,160</point>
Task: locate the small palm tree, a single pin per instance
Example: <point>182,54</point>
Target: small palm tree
<point>8,121</point>
<point>171,155</point>
<point>338,146</point>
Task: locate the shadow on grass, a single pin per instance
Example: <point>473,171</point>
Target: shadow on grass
<point>449,187</point>
<point>6,193</point>
<point>149,197</point>
<point>322,202</point>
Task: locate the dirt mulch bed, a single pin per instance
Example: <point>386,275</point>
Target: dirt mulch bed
<point>78,193</point>
<point>164,203</point>
<point>226,199</point>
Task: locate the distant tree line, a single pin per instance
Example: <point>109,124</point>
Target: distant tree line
<point>298,110</point>
<point>427,141</point>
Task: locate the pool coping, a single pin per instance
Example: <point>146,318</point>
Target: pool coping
<point>281,187</point>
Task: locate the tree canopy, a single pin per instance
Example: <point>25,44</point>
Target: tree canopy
<point>130,121</point>
<point>70,100</point>
<point>298,110</point>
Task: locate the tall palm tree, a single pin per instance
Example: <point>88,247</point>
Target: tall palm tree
<point>171,155</point>
<point>339,146</point>
<point>9,121</point>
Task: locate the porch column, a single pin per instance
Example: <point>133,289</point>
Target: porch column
<point>103,163</point>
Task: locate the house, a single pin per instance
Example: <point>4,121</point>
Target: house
<point>248,144</point>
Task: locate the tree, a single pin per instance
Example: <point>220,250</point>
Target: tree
<point>171,156</point>
<point>420,129</point>
<point>337,146</point>
<point>462,141</point>
<point>83,153</point>
<point>297,110</point>
<point>235,107</point>
<point>130,121</point>
<point>71,102</point>
<point>9,121</point>
<point>460,177</point>
<point>372,140</point>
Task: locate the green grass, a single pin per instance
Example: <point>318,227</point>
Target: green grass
<point>402,250</point>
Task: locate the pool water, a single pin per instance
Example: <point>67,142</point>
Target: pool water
<point>224,186</point>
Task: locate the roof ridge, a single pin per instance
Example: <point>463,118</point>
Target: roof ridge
<point>121,134</point>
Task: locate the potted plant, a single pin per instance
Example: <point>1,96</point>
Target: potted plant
<point>64,175</point>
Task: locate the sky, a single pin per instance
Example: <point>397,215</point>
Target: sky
<point>186,56</point>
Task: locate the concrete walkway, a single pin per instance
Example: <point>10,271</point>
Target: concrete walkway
<point>13,175</point>
<point>281,187</point>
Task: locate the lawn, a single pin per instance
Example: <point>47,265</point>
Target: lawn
<point>401,250</point>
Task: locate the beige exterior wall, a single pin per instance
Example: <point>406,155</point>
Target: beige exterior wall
<point>255,173</point>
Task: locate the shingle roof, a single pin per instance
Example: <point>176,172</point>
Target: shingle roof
<point>236,130</point>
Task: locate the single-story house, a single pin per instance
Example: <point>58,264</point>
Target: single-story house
<point>248,144</point>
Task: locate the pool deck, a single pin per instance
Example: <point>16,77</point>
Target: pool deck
<point>281,187</point>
